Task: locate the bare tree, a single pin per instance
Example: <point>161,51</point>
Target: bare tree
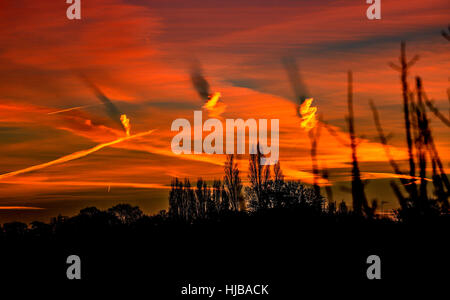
<point>233,185</point>
<point>259,176</point>
<point>358,194</point>
<point>314,136</point>
<point>403,69</point>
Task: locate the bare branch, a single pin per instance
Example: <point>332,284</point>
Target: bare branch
<point>412,61</point>
<point>335,134</point>
<point>436,112</point>
<point>398,193</point>
<point>395,67</point>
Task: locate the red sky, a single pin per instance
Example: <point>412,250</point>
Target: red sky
<point>139,54</point>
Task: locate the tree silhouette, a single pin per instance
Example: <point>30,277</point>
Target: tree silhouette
<point>404,68</point>
<point>259,177</point>
<point>16,229</point>
<point>126,213</point>
<point>360,204</point>
<point>233,185</point>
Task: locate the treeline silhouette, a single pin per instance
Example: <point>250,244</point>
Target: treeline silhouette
<point>267,196</point>
<point>226,197</point>
<point>224,200</point>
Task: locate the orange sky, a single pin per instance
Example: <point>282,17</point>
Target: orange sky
<point>139,54</point>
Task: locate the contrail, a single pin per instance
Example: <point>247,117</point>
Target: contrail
<point>69,109</point>
<point>91,183</point>
<point>192,157</point>
<point>20,208</point>
<point>73,156</point>
<point>378,175</point>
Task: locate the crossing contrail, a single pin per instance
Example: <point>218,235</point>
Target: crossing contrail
<point>74,155</point>
<point>71,108</point>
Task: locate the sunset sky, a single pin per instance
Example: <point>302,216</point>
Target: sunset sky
<point>139,54</point>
